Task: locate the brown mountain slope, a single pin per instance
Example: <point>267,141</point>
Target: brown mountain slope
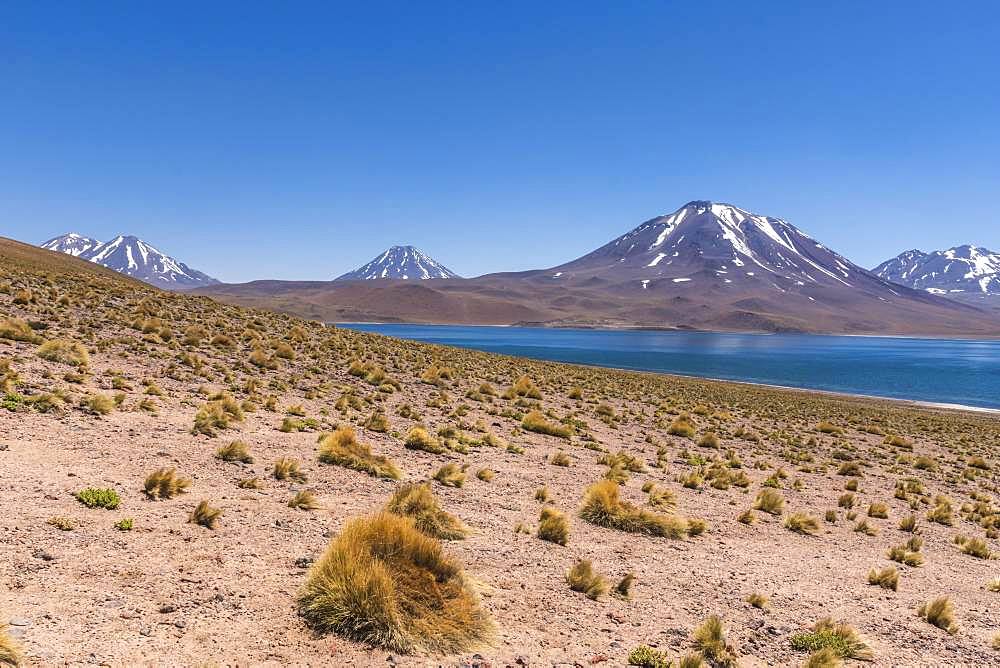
<point>502,300</point>
<point>705,266</point>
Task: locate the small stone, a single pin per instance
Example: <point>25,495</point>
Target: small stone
<point>20,621</point>
<point>180,623</point>
<point>166,609</point>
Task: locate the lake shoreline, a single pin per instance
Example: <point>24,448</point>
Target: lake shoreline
<point>941,402</point>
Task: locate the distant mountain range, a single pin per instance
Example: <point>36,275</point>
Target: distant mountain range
<point>966,272</point>
<point>133,257</point>
<point>706,265</point>
<point>400,262</point>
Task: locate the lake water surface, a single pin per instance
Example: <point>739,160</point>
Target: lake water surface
<point>965,372</point>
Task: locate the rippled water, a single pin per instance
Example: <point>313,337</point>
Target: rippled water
<point>935,370</point>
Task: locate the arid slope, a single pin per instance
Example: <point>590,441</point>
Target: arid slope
<point>124,402</point>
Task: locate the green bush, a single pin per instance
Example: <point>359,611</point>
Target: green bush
<point>93,497</point>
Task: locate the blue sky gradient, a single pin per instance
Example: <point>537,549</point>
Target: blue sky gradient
<point>295,140</point>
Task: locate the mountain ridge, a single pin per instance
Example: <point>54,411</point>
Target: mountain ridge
<point>133,257</point>
<point>707,265</point>
<point>964,272</point>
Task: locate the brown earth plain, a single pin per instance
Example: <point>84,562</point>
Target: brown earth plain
<point>184,482</point>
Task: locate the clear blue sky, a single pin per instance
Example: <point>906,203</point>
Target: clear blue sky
<point>298,140</point>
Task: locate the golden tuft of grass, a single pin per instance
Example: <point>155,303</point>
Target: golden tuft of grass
<point>419,438</point>
<point>15,329</point>
<point>683,425</point>
<point>710,640</point>
<point>603,506</point>
<point>941,613</point>
<point>10,653</point>
<point>486,475</point>
<point>64,351</point>
<point>582,578</point>
<point>215,414</point>
<point>304,500</point>
<point>384,583</point>
<point>887,578</point>
<point>553,526</point>
<point>757,600</point>
<point>450,475</point>
<point>286,468</point>
<point>802,523</point>
<point>769,501</point>
<point>237,451</point>
<point>826,657</point>
<point>535,421</point>
<point>164,483</point>
<point>205,515</point>
<point>341,448</point>
<point>417,501</point>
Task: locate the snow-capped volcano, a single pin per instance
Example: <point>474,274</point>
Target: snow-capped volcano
<point>959,271</point>
<point>72,244</point>
<point>715,243</point>
<point>400,262</point>
<point>133,257</point>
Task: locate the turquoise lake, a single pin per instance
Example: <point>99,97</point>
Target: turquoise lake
<point>965,372</point>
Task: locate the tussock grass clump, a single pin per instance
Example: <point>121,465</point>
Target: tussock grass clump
<point>450,475</point>
<point>976,547</point>
<point>559,459</point>
<point>683,425</point>
<point>304,500</point>
<point>769,501</point>
<point>64,351</point>
<point>419,438</point>
<point>486,475</point>
<point>603,506</point>
<point>286,468</point>
<point>942,512</point>
<point>10,653</point>
<point>624,586</point>
<point>536,422</point>
<point>217,414</point>
<point>15,329</point>
<point>553,526</point>
<point>98,404</point>
<point>523,387</point>
<point>757,600</point>
<point>205,515</point>
<point>709,440</point>
<point>341,448</point>
<point>839,637</point>
<point>941,613</point>
<point>417,501</point>
<point>802,523</point>
<point>164,484</point>
<point>237,451</point>
<point>710,641</point>
<point>878,510</point>
<point>387,584</point>
<point>94,497</point>
<point>582,578</point>
<point>993,585</point>
<point>887,578</point>
<point>823,658</point>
